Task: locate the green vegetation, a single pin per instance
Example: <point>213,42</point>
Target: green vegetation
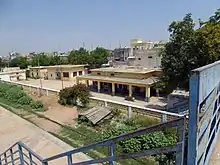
<point>21,62</point>
<point>44,60</point>
<point>189,48</point>
<point>94,58</point>
<point>17,98</point>
<point>75,94</point>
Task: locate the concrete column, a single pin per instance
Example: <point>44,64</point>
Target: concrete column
<point>113,88</point>
<point>130,90</point>
<point>87,83</point>
<point>129,112</point>
<point>47,92</point>
<point>106,103</point>
<point>77,81</point>
<point>157,92</point>
<point>147,99</point>
<point>77,73</point>
<point>163,118</point>
<point>99,86</point>
<point>83,72</point>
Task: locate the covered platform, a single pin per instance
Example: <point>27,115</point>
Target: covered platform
<point>118,85</point>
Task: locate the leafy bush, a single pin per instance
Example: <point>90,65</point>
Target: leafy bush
<point>24,100</point>
<point>36,104</point>
<point>16,95</point>
<point>148,141</point>
<point>70,95</point>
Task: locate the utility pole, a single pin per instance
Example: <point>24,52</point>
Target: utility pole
<point>61,76</point>
<point>38,62</point>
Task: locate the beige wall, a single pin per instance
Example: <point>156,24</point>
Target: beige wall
<point>35,73</point>
<point>52,72</point>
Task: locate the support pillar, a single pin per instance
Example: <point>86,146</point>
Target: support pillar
<point>77,73</point>
<point>147,99</point>
<point>129,112</point>
<point>99,86</point>
<point>87,83</point>
<point>157,92</point>
<point>130,90</point>
<point>163,117</point>
<point>113,89</point>
<point>77,81</point>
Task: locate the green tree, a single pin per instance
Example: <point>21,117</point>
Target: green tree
<point>94,58</point>
<point>189,48</point>
<point>99,56</point>
<point>2,63</point>
<point>21,62</point>
<point>71,95</point>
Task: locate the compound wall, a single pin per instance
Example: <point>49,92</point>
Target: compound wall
<point>204,113</point>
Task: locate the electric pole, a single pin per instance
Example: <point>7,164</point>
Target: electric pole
<point>39,72</point>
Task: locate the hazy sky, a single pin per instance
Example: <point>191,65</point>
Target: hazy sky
<point>52,25</point>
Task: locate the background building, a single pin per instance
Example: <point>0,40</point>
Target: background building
<point>58,72</point>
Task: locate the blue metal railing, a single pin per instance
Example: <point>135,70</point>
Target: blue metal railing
<point>20,152</point>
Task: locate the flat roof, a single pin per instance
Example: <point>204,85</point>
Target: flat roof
<point>126,70</point>
<point>57,66</point>
<point>148,81</point>
<point>13,71</point>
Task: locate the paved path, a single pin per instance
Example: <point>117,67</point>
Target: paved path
<point>13,129</point>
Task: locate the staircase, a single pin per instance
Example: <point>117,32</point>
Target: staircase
<point>20,154</point>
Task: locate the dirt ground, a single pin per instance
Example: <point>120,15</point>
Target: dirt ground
<point>56,112</point>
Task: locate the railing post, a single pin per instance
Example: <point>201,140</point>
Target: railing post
<point>12,156</point>
<point>129,112</point>
<point>181,138</point>
<point>70,160</point>
<point>47,92</point>
<point>21,154</point>
<point>112,149</point>
<point>45,163</point>
<point>30,158</point>
<point>5,156</point>
<point>163,117</point>
<point>106,103</point>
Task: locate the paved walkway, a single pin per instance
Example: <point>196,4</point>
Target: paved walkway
<point>13,129</point>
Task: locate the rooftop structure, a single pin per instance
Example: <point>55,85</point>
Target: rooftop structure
<point>127,81</point>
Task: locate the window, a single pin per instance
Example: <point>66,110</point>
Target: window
<point>112,74</point>
<point>80,72</point>
<point>150,57</point>
<point>65,74</point>
<point>139,58</point>
<point>98,74</point>
<point>74,74</point>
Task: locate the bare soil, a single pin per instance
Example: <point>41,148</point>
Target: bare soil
<point>54,111</point>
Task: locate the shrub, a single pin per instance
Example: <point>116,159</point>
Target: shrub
<point>36,104</point>
<point>14,94</point>
<point>70,95</point>
<point>25,100</point>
